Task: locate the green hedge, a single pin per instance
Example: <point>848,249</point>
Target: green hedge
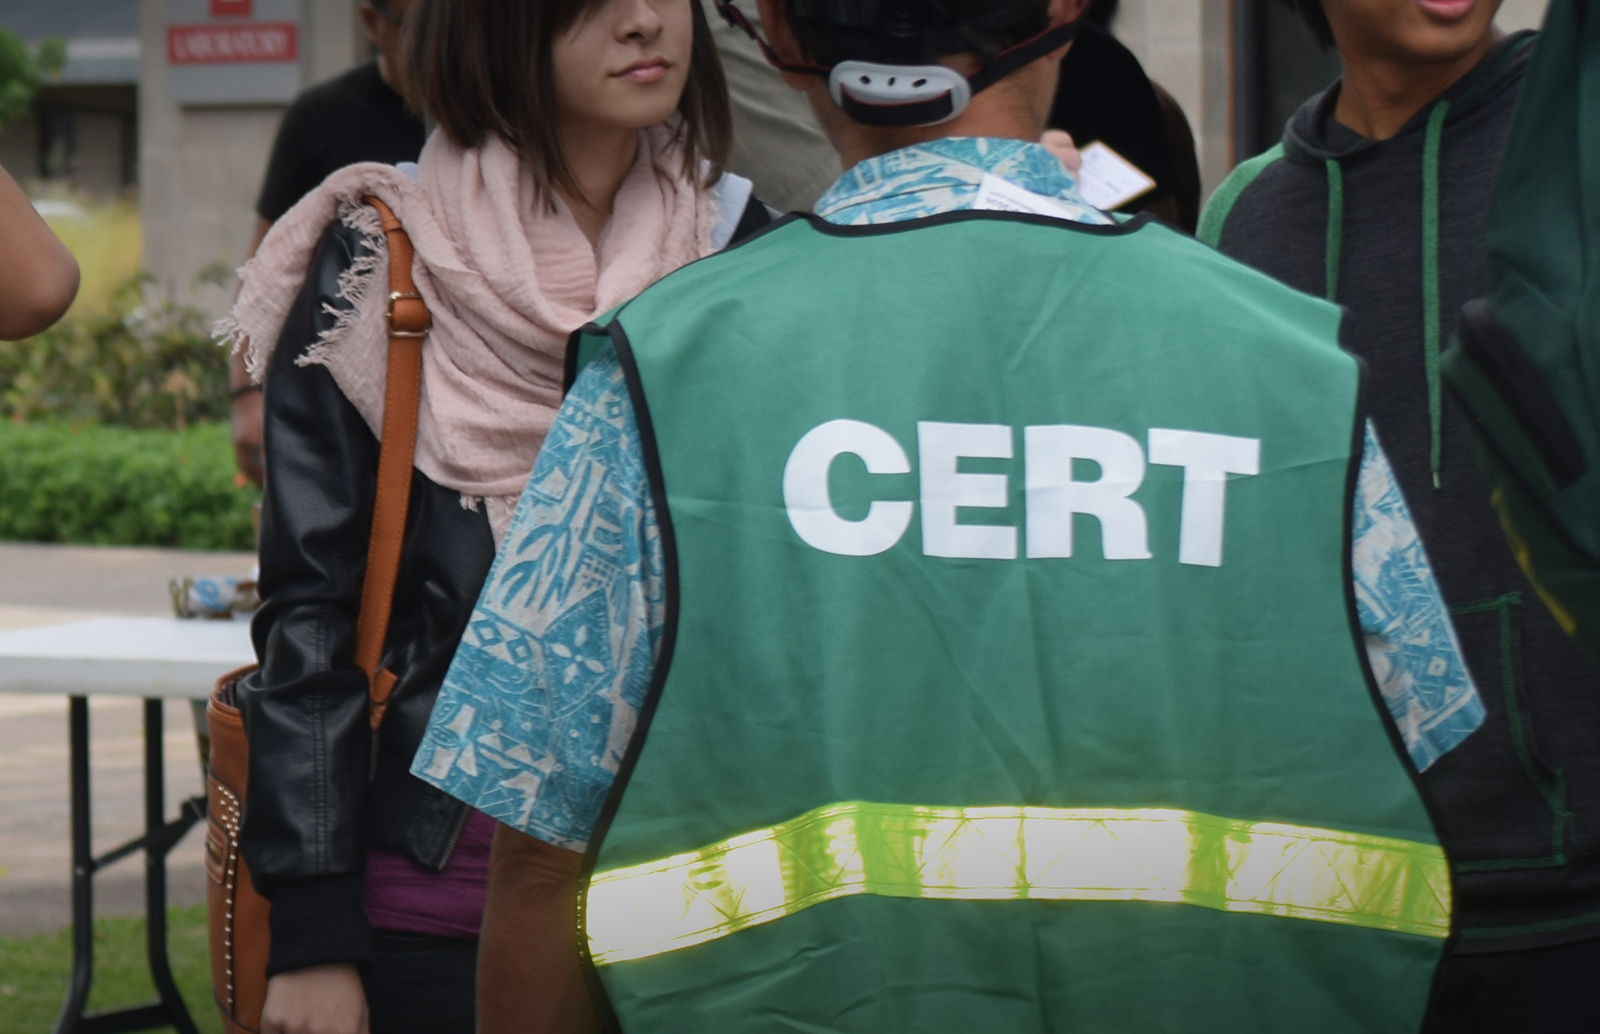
<point>135,364</point>
<point>108,485</point>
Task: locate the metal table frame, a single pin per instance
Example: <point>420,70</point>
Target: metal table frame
<point>160,836</point>
<point>152,659</point>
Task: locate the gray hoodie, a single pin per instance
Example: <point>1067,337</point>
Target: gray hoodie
<point>1393,230</point>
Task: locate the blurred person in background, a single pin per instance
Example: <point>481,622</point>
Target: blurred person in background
<point>576,161</point>
<point>38,275</point>
<point>777,144</point>
<point>357,117</point>
<point>1377,198</point>
<point>1104,95</point>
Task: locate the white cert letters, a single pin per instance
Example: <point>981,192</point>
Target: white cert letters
<point>1052,492</point>
<point>939,449</point>
<point>1053,496</point>
<point>1207,460</point>
<point>805,489</point>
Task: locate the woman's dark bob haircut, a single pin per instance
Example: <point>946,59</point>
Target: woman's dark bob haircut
<point>481,67</point>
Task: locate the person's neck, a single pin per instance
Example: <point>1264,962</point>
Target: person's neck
<point>992,113</point>
<point>599,160</point>
<point>1379,94</point>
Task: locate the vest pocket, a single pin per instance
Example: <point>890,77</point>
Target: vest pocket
<point>1504,807</point>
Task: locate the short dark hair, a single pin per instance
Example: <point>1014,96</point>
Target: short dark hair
<point>482,67</point>
<point>1316,20</point>
<point>1101,13</point>
<point>987,30</point>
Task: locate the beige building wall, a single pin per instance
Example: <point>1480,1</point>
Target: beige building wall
<point>1185,46</point>
<point>200,168</point>
<point>1522,14</point>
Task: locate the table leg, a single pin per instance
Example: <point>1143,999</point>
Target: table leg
<point>155,869</point>
<point>159,838</point>
<point>82,869</point>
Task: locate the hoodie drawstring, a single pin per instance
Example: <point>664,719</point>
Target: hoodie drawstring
<point>1430,282</point>
<point>1330,269</point>
<point>1431,325</point>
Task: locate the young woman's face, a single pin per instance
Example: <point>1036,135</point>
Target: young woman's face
<point>623,65</point>
<point>1424,31</point>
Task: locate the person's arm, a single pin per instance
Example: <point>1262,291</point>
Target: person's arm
<point>529,980</point>
<point>305,710</point>
<point>38,275</point>
<point>526,675</point>
<point>247,409</point>
<point>1411,643</point>
<point>289,175</point>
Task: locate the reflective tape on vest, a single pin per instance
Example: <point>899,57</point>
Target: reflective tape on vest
<point>1009,854</point>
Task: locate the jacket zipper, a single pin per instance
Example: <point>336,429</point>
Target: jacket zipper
<point>455,835</point>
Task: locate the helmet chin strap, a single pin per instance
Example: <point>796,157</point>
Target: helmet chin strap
<point>907,95</point>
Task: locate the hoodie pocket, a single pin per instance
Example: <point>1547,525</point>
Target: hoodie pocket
<point>1503,806</point>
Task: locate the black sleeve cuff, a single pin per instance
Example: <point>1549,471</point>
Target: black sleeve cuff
<point>318,922</point>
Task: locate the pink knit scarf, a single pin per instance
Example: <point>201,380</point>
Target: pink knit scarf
<point>506,279</point>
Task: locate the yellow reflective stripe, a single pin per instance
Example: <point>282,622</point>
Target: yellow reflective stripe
<point>1002,854</point>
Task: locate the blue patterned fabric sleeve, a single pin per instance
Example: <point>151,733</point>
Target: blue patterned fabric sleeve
<point>1411,643</point>
<point>545,689</point>
<point>946,175</point>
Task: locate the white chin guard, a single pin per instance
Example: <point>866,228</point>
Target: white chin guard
<point>898,95</point>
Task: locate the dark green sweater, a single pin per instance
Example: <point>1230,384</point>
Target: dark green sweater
<point>1394,231</point>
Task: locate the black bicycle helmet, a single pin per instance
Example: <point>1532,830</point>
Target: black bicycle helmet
<point>886,72</point>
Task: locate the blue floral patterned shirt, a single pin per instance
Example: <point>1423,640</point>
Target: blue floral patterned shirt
<point>544,693</point>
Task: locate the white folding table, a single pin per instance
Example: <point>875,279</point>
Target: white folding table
<point>155,659</point>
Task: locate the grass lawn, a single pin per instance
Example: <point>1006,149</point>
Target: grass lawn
<point>34,971</point>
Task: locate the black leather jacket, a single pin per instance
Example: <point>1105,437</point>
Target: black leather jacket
<point>317,796</point>
<point>312,809</point>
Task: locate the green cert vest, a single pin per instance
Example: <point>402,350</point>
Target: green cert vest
<point>1011,680</point>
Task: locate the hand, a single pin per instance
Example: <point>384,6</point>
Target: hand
<point>316,1000</point>
<point>1059,143</point>
<point>247,436</point>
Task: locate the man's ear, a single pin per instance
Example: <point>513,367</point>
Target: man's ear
<point>369,21</point>
<point>780,34</point>
<point>1062,11</point>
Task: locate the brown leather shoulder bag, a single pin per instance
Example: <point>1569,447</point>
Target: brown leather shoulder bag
<point>237,915</point>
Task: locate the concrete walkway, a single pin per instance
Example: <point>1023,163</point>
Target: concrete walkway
<point>41,585</point>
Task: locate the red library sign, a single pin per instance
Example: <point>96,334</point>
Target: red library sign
<point>232,44</point>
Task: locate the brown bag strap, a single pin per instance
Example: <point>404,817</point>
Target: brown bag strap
<point>409,321</point>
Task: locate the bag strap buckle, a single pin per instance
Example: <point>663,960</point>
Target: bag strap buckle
<point>408,315</point>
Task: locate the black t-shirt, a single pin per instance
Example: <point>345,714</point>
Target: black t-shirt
<point>354,118</point>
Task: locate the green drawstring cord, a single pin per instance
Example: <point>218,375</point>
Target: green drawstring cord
<point>1430,270</point>
<point>1330,272</point>
<point>1430,283</point>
